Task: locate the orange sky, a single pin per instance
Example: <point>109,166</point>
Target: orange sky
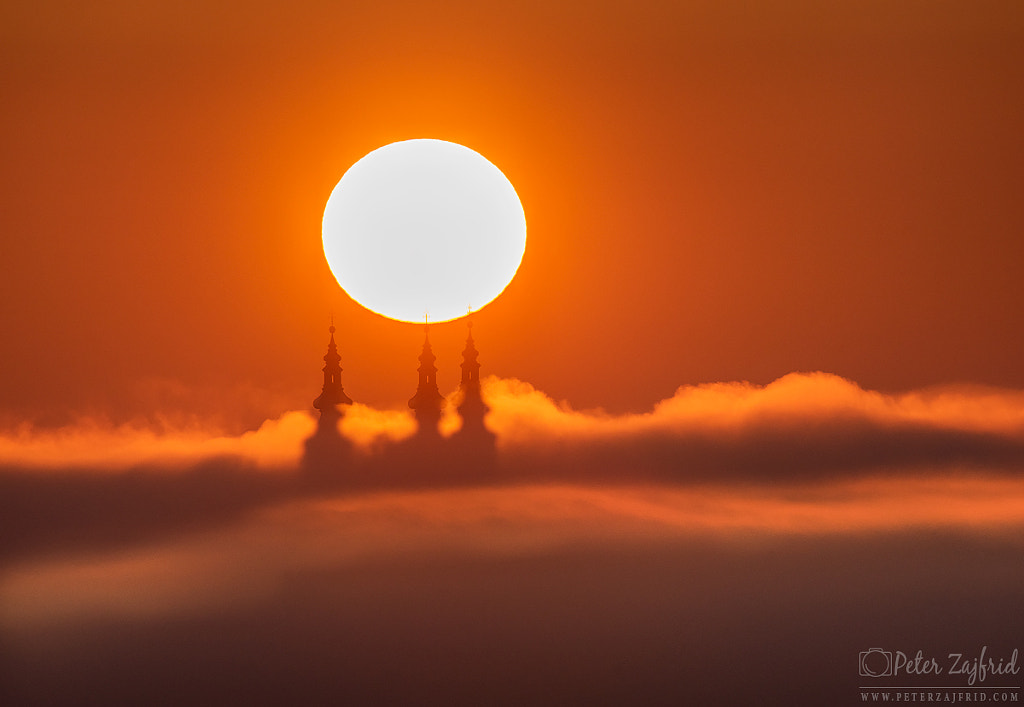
<point>713,193</point>
<point>720,195</point>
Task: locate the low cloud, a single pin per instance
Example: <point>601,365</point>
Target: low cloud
<point>793,524</point>
<point>684,590</point>
<point>89,444</point>
<point>369,428</point>
<point>217,568</point>
<point>522,413</point>
<point>90,486</point>
<point>812,424</point>
<point>801,425</point>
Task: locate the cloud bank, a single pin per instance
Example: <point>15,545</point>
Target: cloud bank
<point>786,526</point>
<point>307,535</point>
<point>801,425</point>
<point>90,486</point>
<point>662,594</point>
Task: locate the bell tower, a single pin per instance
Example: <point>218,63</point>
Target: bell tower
<point>428,402</point>
<point>472,407</point>
<point>332,394</point>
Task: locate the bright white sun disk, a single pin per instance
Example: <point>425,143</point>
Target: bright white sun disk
<point>424,227</point>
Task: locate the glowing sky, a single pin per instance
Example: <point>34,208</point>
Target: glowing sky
<point>715,192</point>
<point>756,384</point>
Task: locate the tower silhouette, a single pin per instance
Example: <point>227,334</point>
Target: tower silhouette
<point>475,444</point>
<point>326,451</point>
<point>330,461</point>
<point>428,402</point>
<point>472,407</point>
<point>333,394</point>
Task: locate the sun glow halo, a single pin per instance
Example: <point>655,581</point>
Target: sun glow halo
<point>424,227</point>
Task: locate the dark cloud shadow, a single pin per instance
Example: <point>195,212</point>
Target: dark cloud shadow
<point>84,510</point>
<point>683,622</point>
<point>52,511</point>
<point>772,453</point>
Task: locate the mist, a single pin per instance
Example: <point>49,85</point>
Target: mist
<point>733,543</point>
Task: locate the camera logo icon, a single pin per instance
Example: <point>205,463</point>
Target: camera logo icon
<point>875,663</point>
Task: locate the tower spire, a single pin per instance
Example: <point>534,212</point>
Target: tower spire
<point>470,366</point>
<point>475,444</point>
<point>428,402</point>
<point>472,407</point>
<point>332,394</point>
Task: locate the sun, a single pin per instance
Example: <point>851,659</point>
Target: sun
<point>424,228</point>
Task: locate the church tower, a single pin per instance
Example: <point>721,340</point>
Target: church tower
<point>474,445</point>
<point>428,401</point>
<point>332,394</point>
<point>472,407</point>
<point>327,452</point>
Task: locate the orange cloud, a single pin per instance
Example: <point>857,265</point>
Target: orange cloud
<point>802,424</point>
<point>520,412</point>
<point>368,427</point>
<point>90,444</point>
